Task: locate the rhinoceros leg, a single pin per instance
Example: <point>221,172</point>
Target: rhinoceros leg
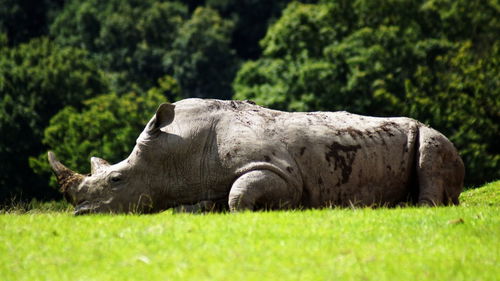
<point>440,169</point>
<point>261,188</point>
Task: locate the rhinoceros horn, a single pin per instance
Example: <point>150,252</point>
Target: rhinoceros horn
<point>66,178</point>
<point>96,164</point>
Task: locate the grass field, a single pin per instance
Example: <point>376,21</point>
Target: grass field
<point>447,243</point>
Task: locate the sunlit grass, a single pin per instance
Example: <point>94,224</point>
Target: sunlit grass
<point>489,195</point>
<point>448,243</point>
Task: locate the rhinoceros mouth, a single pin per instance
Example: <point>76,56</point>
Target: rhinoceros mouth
<point>83,208</point>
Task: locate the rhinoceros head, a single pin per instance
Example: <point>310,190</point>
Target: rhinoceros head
<point>128,186</point>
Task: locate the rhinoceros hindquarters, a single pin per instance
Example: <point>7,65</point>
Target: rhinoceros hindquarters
<point>440,169</point>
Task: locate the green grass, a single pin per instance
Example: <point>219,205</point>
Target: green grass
<point>487,195</point>
<point>447,243</point>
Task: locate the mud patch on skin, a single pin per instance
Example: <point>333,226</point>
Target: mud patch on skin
<point>385,131</point>
<point>215,105</point>
<point>342,157</point>
<point>388,127</point>
<point>320,181</point>
<point>233,105</point>
<point>270,132</point>
<point>354,133</point>
<point>66,181</point>
<point>405,146</point>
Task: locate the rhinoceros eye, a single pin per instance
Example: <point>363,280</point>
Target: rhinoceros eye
<point>116,179</point>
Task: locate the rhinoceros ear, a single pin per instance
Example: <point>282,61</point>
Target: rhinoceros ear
<point>97,164</point>
<point>163,117</point>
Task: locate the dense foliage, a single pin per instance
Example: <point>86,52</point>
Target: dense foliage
<point>434,60</point>
<point>37,79</point>
<point>127,38</point>
<point>459,93</point>
<point>138,41</point>
<point>22,20</point>
<point>202,60</point>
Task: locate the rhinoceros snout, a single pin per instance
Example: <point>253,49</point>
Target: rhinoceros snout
<point>83,208</point>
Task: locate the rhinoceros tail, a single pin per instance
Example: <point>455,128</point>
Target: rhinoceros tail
<point>440,169</point>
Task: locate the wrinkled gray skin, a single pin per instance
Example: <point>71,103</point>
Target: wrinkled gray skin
<point>231,153</point>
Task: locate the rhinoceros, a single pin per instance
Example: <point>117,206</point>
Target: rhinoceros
<point>247,157</point>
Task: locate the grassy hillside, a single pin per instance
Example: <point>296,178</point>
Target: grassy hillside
<point>487,195</point>
<point>448,243</point>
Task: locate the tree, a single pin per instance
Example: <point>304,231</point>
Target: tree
<point>107,126</point>
<point>460,94</point>
<point>36,80</point>
<point>251,19</point>
<point>329,63</point>
<point>137,42</point>
<point>462,20</point>
<point>128,39</point>
<point>202,59</point>
<point>23,20</point>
